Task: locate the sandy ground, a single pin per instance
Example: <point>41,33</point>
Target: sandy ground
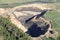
<point>2,11</point>
<point>58,10</point>
<point>18,17</point>
<point>23,13</point>
<point>28,13</point>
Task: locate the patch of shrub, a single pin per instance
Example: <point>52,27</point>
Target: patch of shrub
<point>9,31</point>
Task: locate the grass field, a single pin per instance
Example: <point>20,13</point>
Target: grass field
<point>13,3</point>
<point>55,17</point>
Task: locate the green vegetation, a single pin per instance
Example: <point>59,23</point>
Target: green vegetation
<point>58,7</point>
<point>25,1</point>
<point>9,31</point>
<point>13,3</point>
<point>16,1</point>
<point>50,38</point>
<point>55,17</point>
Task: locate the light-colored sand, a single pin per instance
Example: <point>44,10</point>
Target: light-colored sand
<point>2,10</point>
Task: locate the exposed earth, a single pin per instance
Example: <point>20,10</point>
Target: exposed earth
<point>19,14</point>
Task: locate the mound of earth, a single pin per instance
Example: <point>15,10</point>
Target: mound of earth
<point>36,28</point>
<point>41,26</point>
